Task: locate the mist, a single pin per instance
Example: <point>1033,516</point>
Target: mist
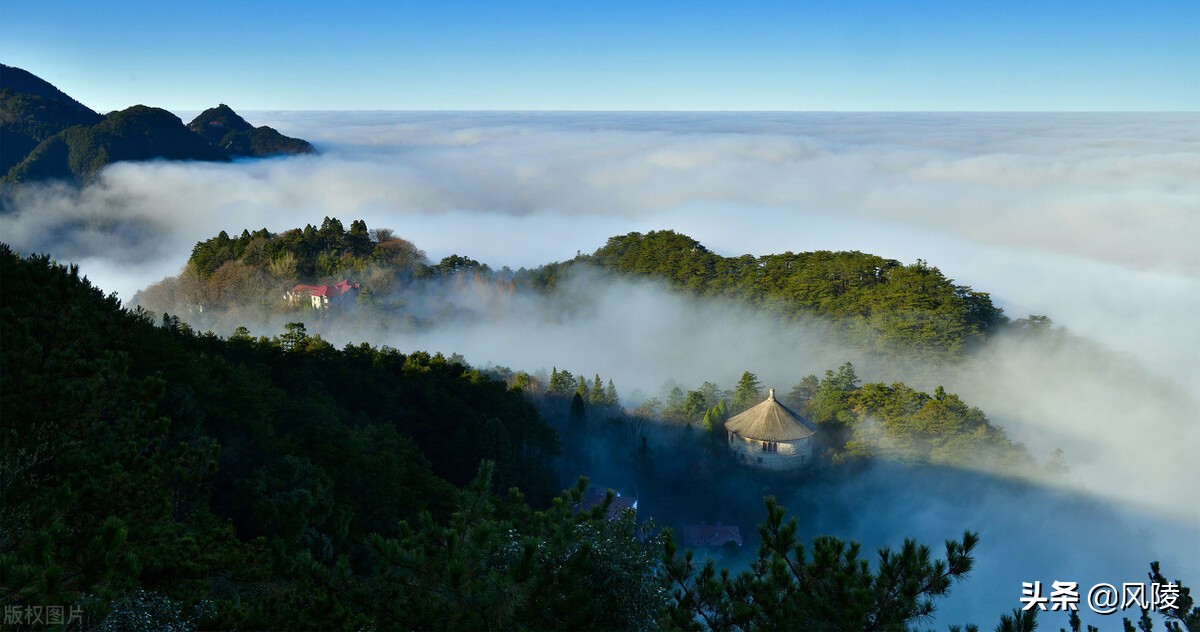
<point>1088,218</point>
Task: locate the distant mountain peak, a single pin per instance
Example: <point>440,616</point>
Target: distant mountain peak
<point>18,80</point>
<point>214,123</point>
<point>45,134</point>
<point>224,129</point>
<point>31,111</point>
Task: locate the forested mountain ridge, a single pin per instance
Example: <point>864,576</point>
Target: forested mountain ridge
<point>32,110</point>
<point>136,133</point>
<point>45,134</point>
<point>223,128</point>
<point>878,305</point>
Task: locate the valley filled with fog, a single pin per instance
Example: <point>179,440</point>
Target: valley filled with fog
<point>1090,219</point>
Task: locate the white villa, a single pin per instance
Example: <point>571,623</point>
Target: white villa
<point>324,296</point>
<point>771,436</point>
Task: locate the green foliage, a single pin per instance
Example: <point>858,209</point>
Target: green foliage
<point>899,422</point>
<point>1018,621</point>
<point>877,304</point>
<point>497,564</point>
<point>458,264</point>
<point>136,133</point>
<point>562,383</point>
<point>747,393</point>
<point>715,418</point>
<point>1181,616</point>
<point>829,589</point>
<point>803,392</point>
<point>246,472</point>
<point>308,253</point>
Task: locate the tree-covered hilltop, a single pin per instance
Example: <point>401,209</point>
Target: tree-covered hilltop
<point>223,128</point>
<point>229,275</point>
<point>32,110</point>
<point>45,134</point>
<point>881,304</point>
<point>897,422</point>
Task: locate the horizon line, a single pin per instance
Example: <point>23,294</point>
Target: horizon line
<point>654,111</point>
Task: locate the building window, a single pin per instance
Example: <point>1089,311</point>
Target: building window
<point>770,446</point>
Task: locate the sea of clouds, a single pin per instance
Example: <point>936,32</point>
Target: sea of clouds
<point>1091,219</point>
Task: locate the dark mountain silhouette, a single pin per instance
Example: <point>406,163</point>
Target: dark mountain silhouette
<point>136,133</point>
<point>223,128</point>
<point>32,110</point>
<point>45,134</point>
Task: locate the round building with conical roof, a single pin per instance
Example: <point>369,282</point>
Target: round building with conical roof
<point>771,436</point>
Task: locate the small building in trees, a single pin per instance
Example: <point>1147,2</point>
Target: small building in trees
<point>595,496</point>
<point>771,436</point>
<point>323,296</point>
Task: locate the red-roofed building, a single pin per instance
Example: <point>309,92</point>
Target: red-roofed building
<point>323,296</point>
<point>711,536</point>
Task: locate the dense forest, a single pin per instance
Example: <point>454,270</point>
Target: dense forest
<point>895,308</point>
<point>155,477</point>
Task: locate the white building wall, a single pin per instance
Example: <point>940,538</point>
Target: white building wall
<point>789,455</point>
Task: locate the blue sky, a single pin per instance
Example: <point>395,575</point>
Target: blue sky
<point>874,56</point>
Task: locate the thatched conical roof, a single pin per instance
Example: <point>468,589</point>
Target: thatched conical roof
<point>771,421</point>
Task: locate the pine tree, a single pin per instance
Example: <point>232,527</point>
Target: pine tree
<point>803,391</point>
<point>596,395</point>
<point>747,393</point>
<point>830,588</point>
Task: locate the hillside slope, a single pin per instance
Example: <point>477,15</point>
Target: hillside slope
<point>32,110</point>
<point>136,133</point>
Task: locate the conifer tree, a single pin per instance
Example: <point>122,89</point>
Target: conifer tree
<point>747,393</point>
<point>829,589</point>
<point>596,394</point>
